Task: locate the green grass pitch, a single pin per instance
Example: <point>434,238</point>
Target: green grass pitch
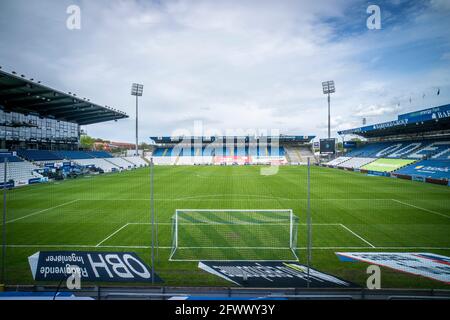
<point>350,212</point>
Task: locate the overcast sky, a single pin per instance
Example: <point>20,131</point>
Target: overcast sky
<point>248,65</point>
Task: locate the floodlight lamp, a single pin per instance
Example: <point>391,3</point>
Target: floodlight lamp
<point>328,87</point>
<point>137,89</point>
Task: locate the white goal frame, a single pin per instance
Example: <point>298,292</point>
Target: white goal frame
<point>292,237</point>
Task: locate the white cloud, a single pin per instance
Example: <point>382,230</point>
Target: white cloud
<point>377,110</point>
<point>231,64</point>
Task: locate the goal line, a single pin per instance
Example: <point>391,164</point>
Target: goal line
<point>234,234</point>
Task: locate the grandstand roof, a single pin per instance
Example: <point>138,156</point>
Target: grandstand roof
<point>281,138</point>
<point>426,120</point>
<point>21,95</point>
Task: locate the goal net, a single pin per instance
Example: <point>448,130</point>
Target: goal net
<point>269,235</point>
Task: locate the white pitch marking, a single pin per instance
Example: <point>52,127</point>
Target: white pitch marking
<point>166,247</point>
<point>41,211</point>
<point>242,199</point>
<point>423,209</point>
<point>248,223</point>
<point>112,234</point>
<point>357,235</point>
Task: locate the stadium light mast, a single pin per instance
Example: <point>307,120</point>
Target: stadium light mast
<point>328,89</point>
<point>137,91</point>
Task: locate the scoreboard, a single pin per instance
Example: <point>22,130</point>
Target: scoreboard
<point>327,146</point>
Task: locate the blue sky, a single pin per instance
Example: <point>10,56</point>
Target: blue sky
<point>237,66</point>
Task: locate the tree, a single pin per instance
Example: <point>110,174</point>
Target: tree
<point>144,146</point>
<point>87,142</point>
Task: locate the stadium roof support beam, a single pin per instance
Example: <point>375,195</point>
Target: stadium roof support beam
<point>14,96</point>
<point>37,103</point>
<point>94,114</point>
<point>87,115</point>
<point>18,94</point>
<point>97,119</point>
<point>83,110</point>
<point>13,87</point>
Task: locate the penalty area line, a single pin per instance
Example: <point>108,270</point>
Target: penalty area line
<point>357,235</point>
<point>41,211</point>
<point>112,234</point>
<point>423,209</point>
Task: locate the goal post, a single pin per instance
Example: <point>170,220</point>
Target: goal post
<point>234,234</point>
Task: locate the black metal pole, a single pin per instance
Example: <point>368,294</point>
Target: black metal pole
<point>4,221</point>
<point>308,217</point>
<point>137,121</point>
<point>152,210</point>
<point>329,117</point>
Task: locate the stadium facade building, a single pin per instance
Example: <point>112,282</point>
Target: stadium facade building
<point>416,146</point>
<point>232,150</point>
<point>34,116</point>
<point>40,131</point>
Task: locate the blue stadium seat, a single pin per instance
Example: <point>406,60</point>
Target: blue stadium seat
<point>38,155</point>
<point>99,154</point>
<point>437,169</point>
<point>9,158</point>
<point>437,150</point>
<point>420,149</point>
<point>73,155</point>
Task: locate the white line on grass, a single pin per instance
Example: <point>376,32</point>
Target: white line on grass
<point>112,234</point>
<point>166,247</point>
<point>423,209</point>
<point>242,199</point>
<point>230,223</point>
<point>357,235</point>
<point>41,211</point>
<point>252,248</point>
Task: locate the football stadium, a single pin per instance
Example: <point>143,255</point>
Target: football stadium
<point>341,212</point>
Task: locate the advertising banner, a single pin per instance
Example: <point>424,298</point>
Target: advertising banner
<point>92,266</point>
<point>428,265</point>
<point>271,274</point>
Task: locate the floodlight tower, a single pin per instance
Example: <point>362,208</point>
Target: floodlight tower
<point>137,90</point>
<point>328,88</point>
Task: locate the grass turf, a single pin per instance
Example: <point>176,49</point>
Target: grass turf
<point>350,212</point>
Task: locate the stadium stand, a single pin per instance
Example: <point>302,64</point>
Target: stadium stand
<point>98,159</point>
<point>356,163</point>
<point>9,157</point>
<point>38,155</point>
<point>103,164</point>
<point>439,150</point>
<point>299,154</point>
<point>40,124</point>
<point>336,162</point>
<point>136,161</point>
<point>231,150</point>
<point>100,154</point>
<point>21,172</point>
<point>437,169</point>
<point>405,155</point>
<point>387,165</point>
<point>120,163</point>
<point>73,155</point>
<point>163,160</point>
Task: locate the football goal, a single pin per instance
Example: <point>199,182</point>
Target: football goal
<point>230,234</point>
